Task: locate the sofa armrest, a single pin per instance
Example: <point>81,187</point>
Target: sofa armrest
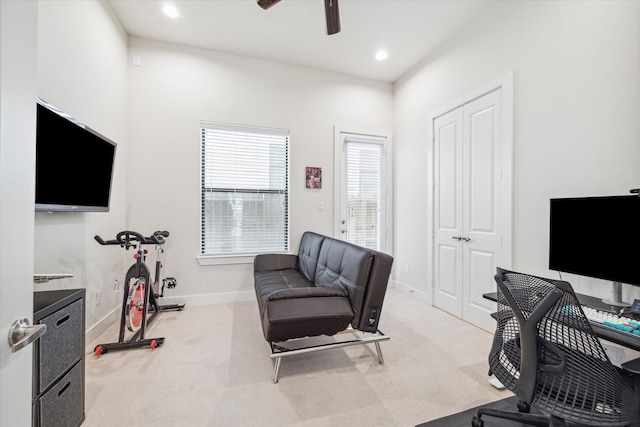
<point>309,292</point>
<point>374,295</point>
<point>274,262</point>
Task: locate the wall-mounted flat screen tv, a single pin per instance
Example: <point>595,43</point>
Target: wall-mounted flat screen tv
<point>74,164</point>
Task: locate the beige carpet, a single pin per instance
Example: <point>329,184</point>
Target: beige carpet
<point>214,370</point>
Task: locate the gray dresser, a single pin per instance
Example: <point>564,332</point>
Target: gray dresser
<point>58,359</point>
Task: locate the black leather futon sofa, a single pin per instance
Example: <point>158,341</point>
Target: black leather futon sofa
<point>331,286</point>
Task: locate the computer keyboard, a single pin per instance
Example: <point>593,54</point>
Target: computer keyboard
<point>625,324</point>
<point>618,329</point>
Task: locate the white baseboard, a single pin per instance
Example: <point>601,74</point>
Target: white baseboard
<point>96,330</point>
<point>208,299</point>
<point>413,292</point>
<point>93,332</point>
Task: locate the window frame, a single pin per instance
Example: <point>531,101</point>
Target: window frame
<point>242,257</point>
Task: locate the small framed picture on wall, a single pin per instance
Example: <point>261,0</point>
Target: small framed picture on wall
<point>313,177</point>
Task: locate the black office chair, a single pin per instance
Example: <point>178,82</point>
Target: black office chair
<point>545,351</point>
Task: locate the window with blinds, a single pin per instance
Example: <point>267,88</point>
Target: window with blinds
<point>364,192</point>
<point>245,189</point>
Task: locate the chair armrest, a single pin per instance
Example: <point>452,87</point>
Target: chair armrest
<point>274,262</point>
<point>310,292</point>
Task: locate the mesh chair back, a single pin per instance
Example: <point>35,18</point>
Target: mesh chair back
<point>545,351</point>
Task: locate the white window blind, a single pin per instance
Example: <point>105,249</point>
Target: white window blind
<point>365,186</point>
<point>245,189</point>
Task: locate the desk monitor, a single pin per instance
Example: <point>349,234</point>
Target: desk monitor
<point>597,237</point>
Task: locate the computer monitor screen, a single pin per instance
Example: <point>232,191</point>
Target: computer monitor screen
<point>596,237</point>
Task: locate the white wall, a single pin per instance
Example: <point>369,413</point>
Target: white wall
<point>174,88</point>
<point>577,127</point>
<point>82,57</point>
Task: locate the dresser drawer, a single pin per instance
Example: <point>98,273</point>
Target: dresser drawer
<point>61,346</point>
<point>59,406</point>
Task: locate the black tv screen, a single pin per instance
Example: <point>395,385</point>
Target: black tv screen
<point>74,164</point>
<point>596,237</point>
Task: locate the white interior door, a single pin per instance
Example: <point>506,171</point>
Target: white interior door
<point>481,244</point>
<point>448,227</point>
<point>18,35</point>
<point>469,206</point>
<point>363,179</point>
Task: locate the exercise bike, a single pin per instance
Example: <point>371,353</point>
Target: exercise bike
<point>139,296</point>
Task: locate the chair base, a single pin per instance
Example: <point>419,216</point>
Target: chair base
<point>540,420</point>
<point>277,350</point>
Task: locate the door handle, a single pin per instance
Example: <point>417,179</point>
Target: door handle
<point>21,334</point>
<point>466,239</point>
<point>458,238</point>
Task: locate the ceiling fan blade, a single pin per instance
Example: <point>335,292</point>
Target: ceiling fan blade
<point>266,4</point>
<point>333,16</point>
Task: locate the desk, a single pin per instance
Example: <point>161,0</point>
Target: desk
<point>606,333</point>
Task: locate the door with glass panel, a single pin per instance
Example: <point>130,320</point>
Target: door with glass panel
<point>363,190</point>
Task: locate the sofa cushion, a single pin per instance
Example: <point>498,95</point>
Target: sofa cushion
<point>306,293</point>
<point>290,318</point>
<point>268,262</point>
<point>268,282</point>
<point>344,266</point>
<point>308,253</point>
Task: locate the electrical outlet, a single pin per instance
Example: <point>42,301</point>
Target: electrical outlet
<point>98,297</point>
<point>406,269</point>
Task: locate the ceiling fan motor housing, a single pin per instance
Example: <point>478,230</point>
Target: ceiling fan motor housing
<point>330,9</point>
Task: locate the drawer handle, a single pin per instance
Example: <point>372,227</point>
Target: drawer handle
<point>21,334</point>
<point>64,389</point>
<point>61,321</point>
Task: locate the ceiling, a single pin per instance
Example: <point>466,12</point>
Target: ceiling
<point>294,31</point>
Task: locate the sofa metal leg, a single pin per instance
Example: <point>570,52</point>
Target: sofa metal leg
<point>278,351</point>
<point>276,370</point>
<point>380,358</point>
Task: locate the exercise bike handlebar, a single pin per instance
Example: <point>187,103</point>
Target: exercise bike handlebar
<point>124,238</point>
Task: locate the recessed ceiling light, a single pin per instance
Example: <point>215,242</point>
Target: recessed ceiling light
<point>381,55</point>
<point>171,11</point>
